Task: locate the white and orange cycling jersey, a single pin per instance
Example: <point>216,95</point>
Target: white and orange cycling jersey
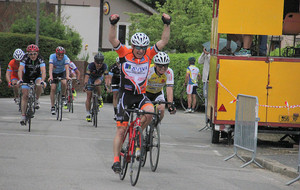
<point>156,82</point>
<point>134,71</point>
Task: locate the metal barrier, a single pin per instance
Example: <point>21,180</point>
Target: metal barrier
<point>297,178</point>
<point>246,124</point>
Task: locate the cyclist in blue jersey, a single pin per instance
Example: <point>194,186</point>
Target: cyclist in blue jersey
<point>94,75</point>
<point>32,68</point>
<point>58,67</point>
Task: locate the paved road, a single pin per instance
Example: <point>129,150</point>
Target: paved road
<point>72,154</point>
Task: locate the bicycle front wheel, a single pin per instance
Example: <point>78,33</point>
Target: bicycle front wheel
<point>136,158</point>
<point>154,147</point>
<point>146,133</point>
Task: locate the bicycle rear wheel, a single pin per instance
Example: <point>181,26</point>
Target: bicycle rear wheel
<point>136,160</point>
<point>154,147</point>
<point>184,103</point>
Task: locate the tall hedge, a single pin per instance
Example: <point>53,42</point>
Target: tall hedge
<point>11,41</point>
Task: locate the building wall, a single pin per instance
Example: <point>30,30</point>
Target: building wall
<point>85,20</point>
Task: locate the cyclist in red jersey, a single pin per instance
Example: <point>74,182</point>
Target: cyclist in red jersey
<point>135,64</point>
<point>12,73</point>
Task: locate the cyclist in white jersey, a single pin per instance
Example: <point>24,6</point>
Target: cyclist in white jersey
<point>160,75</point>
<point>74,74</point>
<point>191,82</point>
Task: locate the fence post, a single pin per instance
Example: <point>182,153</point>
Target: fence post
<point>246,124</point>
<point>297,178</point>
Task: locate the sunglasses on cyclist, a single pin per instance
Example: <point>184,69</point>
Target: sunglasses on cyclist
<point>32,53</point>
<point>141,47</point>
<point>60,54</point>
<point>99,63</point>
<point>161,66</point>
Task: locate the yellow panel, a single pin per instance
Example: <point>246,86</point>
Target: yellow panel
<point>284,80</point>
<point>212,81</point>
<point>247,77</point>
<point>257,17</point>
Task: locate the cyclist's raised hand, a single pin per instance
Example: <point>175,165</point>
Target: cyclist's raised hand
<point>166,19</point>
<point>114,19</point>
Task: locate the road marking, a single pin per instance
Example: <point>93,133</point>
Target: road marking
<point>217,153</point>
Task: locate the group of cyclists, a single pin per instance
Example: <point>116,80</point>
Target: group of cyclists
<point>133,80</point>
<point>30,67</point>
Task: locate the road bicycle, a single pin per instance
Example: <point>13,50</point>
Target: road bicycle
<point>199,99</point>
<point>30,109</point>
<point>133,139</point>
<point>58,99</point>
<point>152,137</point>
<point>95,104</point>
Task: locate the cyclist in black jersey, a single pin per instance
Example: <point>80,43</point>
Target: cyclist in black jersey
<point>94,75</point>
<point>32,68</point>
<point>114,81</point>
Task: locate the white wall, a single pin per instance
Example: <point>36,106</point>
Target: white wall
<point>84,20</point>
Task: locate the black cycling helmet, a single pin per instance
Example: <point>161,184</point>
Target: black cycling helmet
<point>192,60</point>
<point>99,58</point>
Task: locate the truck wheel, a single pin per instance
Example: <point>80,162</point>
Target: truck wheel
<point>215,135</point>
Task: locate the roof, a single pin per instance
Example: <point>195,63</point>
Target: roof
<point>144,6</point>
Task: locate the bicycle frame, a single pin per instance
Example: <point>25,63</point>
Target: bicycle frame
<point>30,108</point>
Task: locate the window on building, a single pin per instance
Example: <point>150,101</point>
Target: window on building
<point>122,34</point>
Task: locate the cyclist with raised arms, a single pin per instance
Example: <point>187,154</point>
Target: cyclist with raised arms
<point>12,73</point>
<point>114,81</point>
<point>161,75</point>
<point>94,75</point>
<point>135,63</point>
<point>32,68</point>
<point>58,67</point>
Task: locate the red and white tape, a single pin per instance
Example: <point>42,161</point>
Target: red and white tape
<point>266,106</point>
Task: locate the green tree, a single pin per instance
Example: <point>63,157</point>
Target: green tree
<point>190,27</point>
<point>49,27</point>
<point>153,3</point>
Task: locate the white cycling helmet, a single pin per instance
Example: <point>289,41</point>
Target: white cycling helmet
<point>18,54</point>
<point>140,39</point>
<point>161,58</point>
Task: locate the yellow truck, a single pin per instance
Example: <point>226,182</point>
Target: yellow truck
<point>275,80</point>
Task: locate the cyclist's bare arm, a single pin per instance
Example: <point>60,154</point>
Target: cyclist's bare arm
<point>186,78</point>
<point>67,72</point>
<point>77,74</point>
<point>50,71</point>
<point>169,90</point>
<point>7,76</point>
<point>43,70</point>
<point>165,34</point>
<point>20,72</point>
<point>113,32</point>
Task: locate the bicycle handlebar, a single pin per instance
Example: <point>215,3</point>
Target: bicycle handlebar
<point>139,111</point>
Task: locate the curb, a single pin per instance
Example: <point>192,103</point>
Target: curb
<point>275,166</point>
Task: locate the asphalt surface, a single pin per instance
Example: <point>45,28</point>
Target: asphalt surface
<point>271,156</point>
